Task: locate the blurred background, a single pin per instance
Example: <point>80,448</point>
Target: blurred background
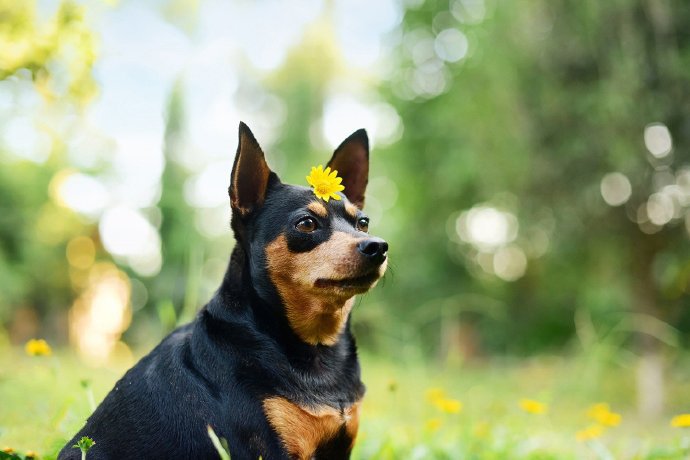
<point>530,169</point>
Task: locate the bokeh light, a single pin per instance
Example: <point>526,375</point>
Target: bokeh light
<point>126,233</point>
<point>100,315</point>
<point>486,227</point>
<point>657,139</point>
<point>615,189</point>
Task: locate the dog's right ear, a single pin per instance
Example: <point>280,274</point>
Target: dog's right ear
<point>250,174</point>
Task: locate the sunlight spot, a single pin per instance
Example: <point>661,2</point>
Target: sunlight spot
<point>510,263</point>
<point>660,209</point>
<point>127,233</point>
<point>615,189</point>
<point>100,315</point>
<point>657,139</point>
<point>451,45</point>
<point>80,192</point>
<point>486,228</point>
<point>343,114</point>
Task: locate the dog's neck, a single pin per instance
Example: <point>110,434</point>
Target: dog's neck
<point>317,321</point>
<point>312,320</point>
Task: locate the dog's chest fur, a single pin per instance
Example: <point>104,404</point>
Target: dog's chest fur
<point>305,430</point>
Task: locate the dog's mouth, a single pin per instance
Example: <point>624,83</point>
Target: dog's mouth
<point>359,283</point>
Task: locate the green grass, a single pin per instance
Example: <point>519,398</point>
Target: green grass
<point>43,402</point>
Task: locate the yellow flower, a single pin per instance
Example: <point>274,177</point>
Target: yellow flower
<point>602,414</point>
<point>533,407</point>
<point>609,419</point>
<point>326,183</point>
<point>433,424</point>
<point>7,450</point>
<point>681,421</point>
<point>591,432</point>
<point>596,409</point>
<point>449,406</point>
<point>437,397</point>
<point>37,347</point>
<point>31,454</point>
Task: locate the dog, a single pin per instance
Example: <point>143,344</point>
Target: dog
<point>269,363</point>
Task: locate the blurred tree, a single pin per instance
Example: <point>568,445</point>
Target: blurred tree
<point>53,58</point>
<point>183,246</point>
<point>58,55</point>
<point>528,109</point>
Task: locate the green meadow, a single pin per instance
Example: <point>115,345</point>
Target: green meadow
<point>539,408</point>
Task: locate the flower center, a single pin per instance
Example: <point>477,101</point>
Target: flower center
<point>322,188</point>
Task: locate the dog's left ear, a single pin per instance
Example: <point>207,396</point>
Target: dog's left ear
<point>351,160</point>
<point>250,174</point>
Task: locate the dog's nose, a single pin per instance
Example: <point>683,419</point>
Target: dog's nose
<point>374,249</point>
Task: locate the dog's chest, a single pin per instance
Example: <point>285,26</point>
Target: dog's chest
<point>304,430</point>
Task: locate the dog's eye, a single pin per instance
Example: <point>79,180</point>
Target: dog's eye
<point>306,225</point>
<point>363,224</point>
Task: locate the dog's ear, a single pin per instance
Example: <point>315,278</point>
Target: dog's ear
<point>250,174</point>
<point>351,160</point>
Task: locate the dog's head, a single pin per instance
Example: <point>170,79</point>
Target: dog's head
<point>315,255</point>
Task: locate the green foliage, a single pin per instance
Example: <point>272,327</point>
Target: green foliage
<point>549,99</point>
<point>56,57</point>
<point>58,54</point>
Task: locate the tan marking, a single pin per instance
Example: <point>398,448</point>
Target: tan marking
<point>351,209</point>
<point>318,208</point>
<point>302,430</point>
<point>317,315</point>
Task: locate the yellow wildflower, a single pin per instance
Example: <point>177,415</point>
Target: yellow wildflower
<point>681,421</point>
<point>437,397</point>
<point>37,347</point>
<point>533,407</point>
<point>609,419</point>
<point>31,454</point>
<point>602,414</point>
<point>326,183</point>
<point>433,424</point>
<point>449,406</point>
<point>589,433</point>
<point>596,409</point>
<point>7,450</point>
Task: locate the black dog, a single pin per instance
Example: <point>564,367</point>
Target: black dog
<point>269,363</point>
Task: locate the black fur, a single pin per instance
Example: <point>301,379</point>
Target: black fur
<point>239,350</point>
